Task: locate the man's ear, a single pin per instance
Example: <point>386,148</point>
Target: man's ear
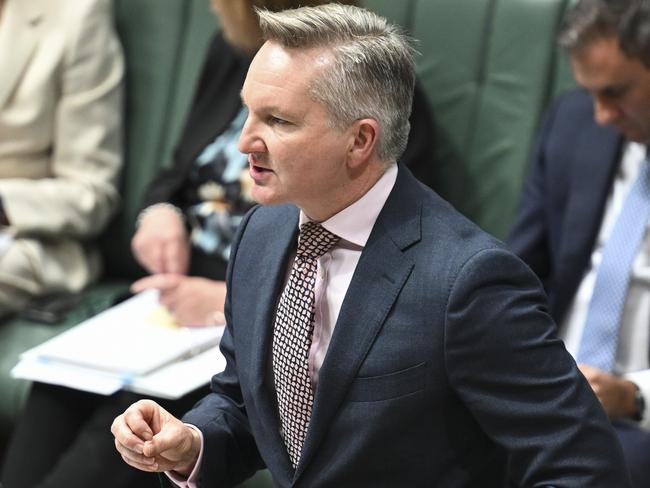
<point>364,144</point>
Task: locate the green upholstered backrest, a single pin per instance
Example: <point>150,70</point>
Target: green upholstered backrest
<point>400,12</point>
<point>164,43</point>
<point>489,68</point>
<point>202,24</point>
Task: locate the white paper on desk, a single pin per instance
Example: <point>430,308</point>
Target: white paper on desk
<point>170,382</point>
<point>181,377</point>
<point>125,340</point>
<point>63,374</point>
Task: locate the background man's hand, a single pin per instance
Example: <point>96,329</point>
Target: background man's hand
<point>615,394</point>
<point>151,439</point>
<point>161,243</point>
<point>192,301</point>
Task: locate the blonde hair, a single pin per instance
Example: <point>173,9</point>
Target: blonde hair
<point>373,71</point>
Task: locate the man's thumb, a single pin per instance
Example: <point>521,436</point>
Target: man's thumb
<point>150,448</point>
<point>162,444</point>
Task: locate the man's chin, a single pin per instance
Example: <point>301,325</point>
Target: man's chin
<point>265,197</point>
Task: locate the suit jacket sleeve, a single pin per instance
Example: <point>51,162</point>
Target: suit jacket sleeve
<point>221,416</point>
<point>86,154</point>
<point>521,385</point>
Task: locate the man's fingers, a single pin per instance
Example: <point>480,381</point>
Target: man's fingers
<point>135,440</point>
<point>136,459</point>
<point>151,468</point>
<point>141,420</point>
<point>128,439</point>
<point>125,435</point>
<point>131,446</point>
<point>168,444</point>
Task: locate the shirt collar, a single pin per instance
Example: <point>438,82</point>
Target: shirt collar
<point>355,222</point>
<point>634,155</point>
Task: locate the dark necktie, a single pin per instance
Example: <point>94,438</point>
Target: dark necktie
<point>292,335</point>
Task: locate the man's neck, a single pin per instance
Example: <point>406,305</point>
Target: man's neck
<point>357,188</point>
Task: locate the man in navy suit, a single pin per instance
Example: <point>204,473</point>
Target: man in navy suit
<point>590,152</point>
<point>431,358</point>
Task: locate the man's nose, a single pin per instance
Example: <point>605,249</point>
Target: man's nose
<point>606,112</point>
<point>249,141</point>
<point>244,137</point>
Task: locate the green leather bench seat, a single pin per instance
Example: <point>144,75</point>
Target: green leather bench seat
<point>19,335</point>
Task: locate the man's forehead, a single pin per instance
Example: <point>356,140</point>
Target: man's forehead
<point>285,69</point>
<point>602,58</point>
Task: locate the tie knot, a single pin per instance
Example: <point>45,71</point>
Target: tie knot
<point>315,240</point>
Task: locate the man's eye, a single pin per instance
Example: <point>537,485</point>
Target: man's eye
<point>277,121</point>
<point>614,92</point>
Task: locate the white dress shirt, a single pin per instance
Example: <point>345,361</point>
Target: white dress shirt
<point>335,269</point>
<point>634,334</point>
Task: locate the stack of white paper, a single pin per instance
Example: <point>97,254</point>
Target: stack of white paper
<point>134,346</point>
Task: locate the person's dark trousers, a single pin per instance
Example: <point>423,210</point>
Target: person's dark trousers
<point>63,439</point>
<point>636,447</point>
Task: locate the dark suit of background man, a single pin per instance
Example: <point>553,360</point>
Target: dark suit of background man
<point>589,156</point>
<point>432,360</point>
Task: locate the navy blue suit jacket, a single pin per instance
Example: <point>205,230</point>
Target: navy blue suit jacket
<point>564,196</point>
<point>443,369</point>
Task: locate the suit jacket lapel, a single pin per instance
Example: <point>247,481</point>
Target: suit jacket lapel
<point>272,274</point>
<point>378,279</point>
<point>19,34</point>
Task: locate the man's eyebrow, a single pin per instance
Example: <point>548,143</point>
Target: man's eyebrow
<point>269,109</point>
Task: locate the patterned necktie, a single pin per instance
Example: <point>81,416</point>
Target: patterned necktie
<point>292,334</point>
<point>600,336</point>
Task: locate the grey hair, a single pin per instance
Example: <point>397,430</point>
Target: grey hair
<point>627,20</point>
<point>278,5</point>
<point>373,69</point>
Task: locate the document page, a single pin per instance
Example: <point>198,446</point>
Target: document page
<point>133,338</point>
<point>135,345</point>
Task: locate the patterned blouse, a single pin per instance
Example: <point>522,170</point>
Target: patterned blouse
<point>221,185</point>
